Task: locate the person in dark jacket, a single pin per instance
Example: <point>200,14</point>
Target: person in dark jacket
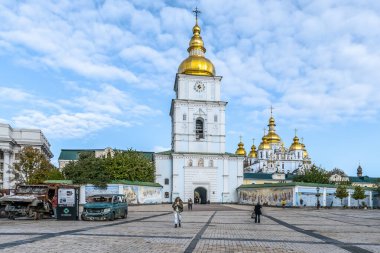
<point>178,209</point>
<point>257,212</point>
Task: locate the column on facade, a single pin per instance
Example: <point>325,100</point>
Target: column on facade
<point>6,169</point>
<point>175,181</point>
<point>225,179</point>
<point>370,199</point>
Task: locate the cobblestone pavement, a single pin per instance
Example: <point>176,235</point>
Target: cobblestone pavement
<point>208,228</point>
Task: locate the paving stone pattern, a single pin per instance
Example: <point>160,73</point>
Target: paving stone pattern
<point>208,228</point>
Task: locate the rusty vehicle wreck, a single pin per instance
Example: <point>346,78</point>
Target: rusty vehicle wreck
<point>33,201</point>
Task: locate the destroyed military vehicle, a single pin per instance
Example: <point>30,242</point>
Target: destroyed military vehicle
<point>32,201</point>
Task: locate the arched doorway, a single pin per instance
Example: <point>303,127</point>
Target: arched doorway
<point>201,194</point>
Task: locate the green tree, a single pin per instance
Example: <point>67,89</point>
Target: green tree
<point>118,165</point>
<point>87,170</point>
<point>313,175</point>
<point>129,165</point>
<point>358,193</point>
<point>341,193</point>
<point>33,167</point>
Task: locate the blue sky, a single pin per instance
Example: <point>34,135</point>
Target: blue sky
<point>96,74</point>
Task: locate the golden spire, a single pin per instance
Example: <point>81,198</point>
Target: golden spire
<point>196,63</point>
<point>253,153</point>
<point>240,150</point>
<point>296,145</point>
<point>272,137</point>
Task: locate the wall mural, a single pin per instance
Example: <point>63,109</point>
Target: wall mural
<point>92,190</point>
<point>266,196</point>
<point>130,192</point>
<point>135,194</point>
<point>149,195</point>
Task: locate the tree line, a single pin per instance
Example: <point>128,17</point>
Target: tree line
<point>34,168</point>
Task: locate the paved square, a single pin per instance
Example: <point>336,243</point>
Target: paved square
<point>208,228</point>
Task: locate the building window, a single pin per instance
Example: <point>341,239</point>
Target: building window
<point>1,155</point>
<point>166,181</point>
<point>17,156</point>
<point>184,116</point>
<point>166,195</point>
<point>190,162</point>
<point>201,162</point>
<point>211,163</point>
<point>199,128</point>
<point>215,118</point>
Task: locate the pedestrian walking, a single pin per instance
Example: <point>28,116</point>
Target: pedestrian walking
<point>178,209</point>
<point>190,204</point>
<point>257,212</point>
<point>54,205</point>
<point>301,202</point>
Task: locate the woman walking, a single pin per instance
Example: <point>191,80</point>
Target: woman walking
<point>178,209</point>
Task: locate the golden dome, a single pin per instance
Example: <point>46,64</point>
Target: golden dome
<point>240,150</point>
<point>196,64</point>
<point>296,145</point>
<point>264,144</point>
<point>272,137</point>
<point>253,153</point>
<point>305,154</point>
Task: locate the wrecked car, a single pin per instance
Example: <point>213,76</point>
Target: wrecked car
<point>105,207</point>
<point>32,201</point>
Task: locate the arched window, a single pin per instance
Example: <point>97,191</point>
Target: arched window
<point>166,181</point>
<point>215,118</point>
<point>184,116</point>
<point>199,128</point>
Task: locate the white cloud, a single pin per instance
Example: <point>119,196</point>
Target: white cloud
<point>85,113</point>
<point>12,94</point>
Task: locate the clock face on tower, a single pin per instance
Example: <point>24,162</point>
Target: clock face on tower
<point>199,86</point>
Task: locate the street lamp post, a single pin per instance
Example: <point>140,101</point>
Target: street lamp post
<point>317,195</point>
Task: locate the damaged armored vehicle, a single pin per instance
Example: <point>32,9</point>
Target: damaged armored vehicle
<point>32,201</point>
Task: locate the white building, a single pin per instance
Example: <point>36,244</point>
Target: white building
<point>11,142</point>
<point>273,157</point>
<point>197,163</point>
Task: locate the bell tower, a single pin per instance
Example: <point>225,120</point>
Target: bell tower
<point>197,113</point>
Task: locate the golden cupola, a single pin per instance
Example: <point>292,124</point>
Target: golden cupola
<point>253,153</point>
<point>296,145</point>
<point>264,144</point>
<point>272,137</point>
<point>305,154</point>
<point>240,150</point>
<point>196,64</point>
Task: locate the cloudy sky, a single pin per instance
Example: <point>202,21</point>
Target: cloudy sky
<point>96,74</point>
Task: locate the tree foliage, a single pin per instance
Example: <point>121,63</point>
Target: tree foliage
<point>341,192</point>
<point>358,193</point>
<point>87,170</point>
<point>313,175</point>
<point>120,165</point>
<point>34,168</point>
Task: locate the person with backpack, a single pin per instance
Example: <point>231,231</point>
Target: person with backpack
<point>178,209</point>
<point>257,212</point>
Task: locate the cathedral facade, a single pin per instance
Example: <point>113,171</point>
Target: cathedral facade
<point>272,157</point>
<point>197,164</point>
